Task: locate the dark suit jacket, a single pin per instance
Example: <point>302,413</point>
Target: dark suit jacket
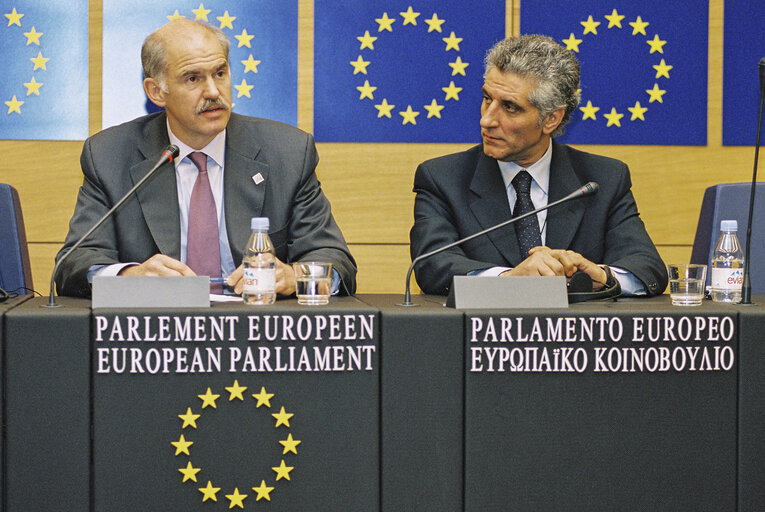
<point>302,226</point>
<point>463,193</point>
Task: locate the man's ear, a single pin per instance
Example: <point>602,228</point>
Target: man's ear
<point>154,92</point>
<point>553,120</point>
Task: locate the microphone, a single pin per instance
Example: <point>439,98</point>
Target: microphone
<point>746,287</point>
<point>587,189</point>
<point>168,155</point>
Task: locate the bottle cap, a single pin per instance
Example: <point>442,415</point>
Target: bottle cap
<point>259,224</point>
<point>729,226</point>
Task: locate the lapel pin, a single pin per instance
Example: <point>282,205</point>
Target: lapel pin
<point>258,179</point>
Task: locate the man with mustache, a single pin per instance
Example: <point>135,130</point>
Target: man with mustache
<point>249,167</point>
<point>531,87</point>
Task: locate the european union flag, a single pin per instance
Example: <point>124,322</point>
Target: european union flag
<point>401,71</point>
<point>643,67</point>
<point>743,47</point>
<point>263,53</point>
<point>44,80</point>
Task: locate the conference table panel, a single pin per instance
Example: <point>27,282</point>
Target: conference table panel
<point>627,405</point>
<point>5,306</point>
<point>421,396</point>
<point>237,407</point>
<point>751,471</point>
<point>47,406</point>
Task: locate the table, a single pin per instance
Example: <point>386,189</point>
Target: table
<point>424,408</point>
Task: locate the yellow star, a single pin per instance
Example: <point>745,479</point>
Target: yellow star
<point>290,445</point>
<point>590,26</point>
<point>181,445</point>
<point>360,65</point>
<point>452,92</point>
<point>409,115</point>
<point>655,94</point>
<point>39,61</point>
<point>243,89</point>
<point>589,111</point>
<point>452,42</point>
<point>637,111</point>
<point>189,419</point>
<point>33,36</point>
<point>384,108</point>
<point>458,67</point>
<point>175,16</point>
<point>366,90</point>
<point>282,417</point>
<point>236,390</point>
<point>283,471</point>
<point>263,398</point>
<point>14,18</point>
<point>614,19</point>
<point>236,499</point>
<point>572,43</point>
<point>226,20</point>
<point>250,64</point>
<point>244,39</point>
<point>656,44</point>
<point>434,109</point>
<point>662,69</point>
<point>263,491</point>
<point>190,472</point>
<point>367,41</point>
<point>209,492</point>
<point>201,13</point>
<point>638,26</point>
<point>209,399</point>
<point>613,118</point>
<point>33,87</point>
<point>434,23</point>
<point>13,105</point>
<point>385,23</point>
<point>410,17</point>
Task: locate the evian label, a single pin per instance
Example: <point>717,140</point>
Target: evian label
<point>727,278</point>
<point>259,280</point>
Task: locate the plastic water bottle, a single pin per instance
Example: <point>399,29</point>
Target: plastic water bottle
<point>727,265</point>
<point>259,265</point>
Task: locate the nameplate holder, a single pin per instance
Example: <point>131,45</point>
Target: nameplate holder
<point>489,292</point>
<point>151,292</point>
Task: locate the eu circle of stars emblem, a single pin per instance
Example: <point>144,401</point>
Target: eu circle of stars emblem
<point>196,474</point>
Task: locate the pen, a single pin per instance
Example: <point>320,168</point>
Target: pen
<point>218,280</point>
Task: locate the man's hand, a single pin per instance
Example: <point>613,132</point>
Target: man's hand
<point>158,265</point>
<point>285,279</point>
<point>543,261</point>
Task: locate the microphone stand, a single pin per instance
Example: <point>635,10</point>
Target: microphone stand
<point>746,287</point>
<point>586,190</point>
<point>167,156</point>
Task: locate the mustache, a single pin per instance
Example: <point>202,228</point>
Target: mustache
<point>216,103</point>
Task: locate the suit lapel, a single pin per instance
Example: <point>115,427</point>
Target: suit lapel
<point>490,206</point>
<point>563,221</point>
<point>158,197</point>
<point>245,181</point>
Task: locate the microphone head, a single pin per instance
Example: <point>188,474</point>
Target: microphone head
<point>762,73</point>
<point>172,151</point>
<point>590,188</point>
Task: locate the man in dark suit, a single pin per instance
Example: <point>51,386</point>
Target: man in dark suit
<point>256,168</point>
<point>530,89</point>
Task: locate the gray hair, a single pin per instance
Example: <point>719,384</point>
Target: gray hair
<point>554,69</point>
<point>153,52</point>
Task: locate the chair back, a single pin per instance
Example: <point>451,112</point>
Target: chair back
<point>15,271</point>
<point>730,201</point>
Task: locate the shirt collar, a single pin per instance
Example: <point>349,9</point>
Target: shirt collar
<point>539,170</point>
<point>216,149</point>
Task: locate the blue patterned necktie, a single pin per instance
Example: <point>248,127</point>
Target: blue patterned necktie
<point>527,230</point>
